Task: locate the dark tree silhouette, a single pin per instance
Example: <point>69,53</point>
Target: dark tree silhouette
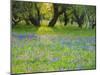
<point>15,20</point>
<point>56,13</point>
<point>79,18</point>
<point>24,11</point>
<point>66,19</point>
<point>35,20</point>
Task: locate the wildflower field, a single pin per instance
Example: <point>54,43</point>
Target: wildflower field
<point>59,50</point>
<point>49,37</point>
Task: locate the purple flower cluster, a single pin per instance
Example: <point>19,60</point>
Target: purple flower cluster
<point>23,36</point>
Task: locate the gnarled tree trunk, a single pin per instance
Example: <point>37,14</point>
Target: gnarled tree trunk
<point>35,21</point>
<point>56,14</point>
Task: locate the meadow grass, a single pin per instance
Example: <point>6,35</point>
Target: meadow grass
<point>72,30</point>
<point>54,49</point>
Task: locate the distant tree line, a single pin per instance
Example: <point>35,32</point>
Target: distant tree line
<point>33,13</point>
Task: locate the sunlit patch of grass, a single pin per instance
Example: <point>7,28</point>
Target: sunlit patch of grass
<point>69,30</point>
<point>45,30</point>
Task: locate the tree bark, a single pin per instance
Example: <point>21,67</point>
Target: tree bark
<point>65,18</point>
<point>79,18</point>
<point>38,13</point>
<point>33,20</point>
<point>53,21</point>
<point>56,14</point>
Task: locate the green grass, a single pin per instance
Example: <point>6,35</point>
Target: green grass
<point>40,58</point>
<point>69,30</point>
<point>47,54</point>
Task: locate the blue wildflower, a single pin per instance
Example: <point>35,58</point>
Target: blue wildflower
<point>30,36</point>
<point>55,59</point>
<point>21,36</point>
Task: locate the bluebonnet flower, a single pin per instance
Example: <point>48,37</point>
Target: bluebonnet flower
<point>30,36</point>
<point>55,59</point>
<point>21,36</point>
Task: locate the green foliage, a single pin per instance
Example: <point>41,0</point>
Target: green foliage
<point>22,10</point>
<point>79,9</point>
<point>46,10</point>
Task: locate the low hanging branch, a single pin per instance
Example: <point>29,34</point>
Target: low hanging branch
<point>15,20</point>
